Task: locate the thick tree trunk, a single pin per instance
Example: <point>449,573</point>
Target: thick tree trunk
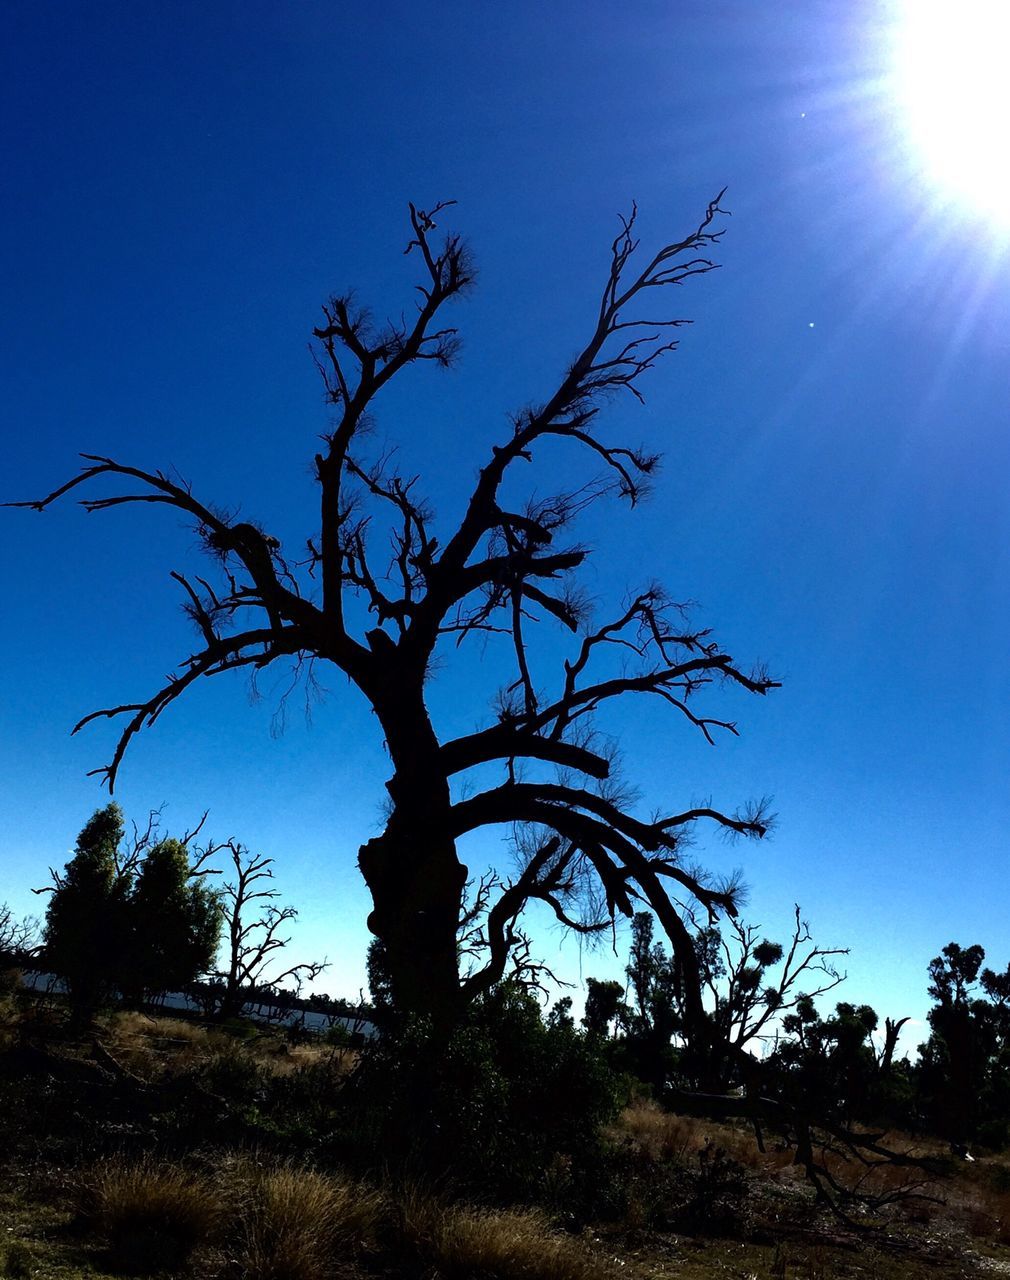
<point>414,874</point>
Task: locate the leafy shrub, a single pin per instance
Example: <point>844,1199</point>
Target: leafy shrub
<point>715,1196</point>
<point>491,1107</point>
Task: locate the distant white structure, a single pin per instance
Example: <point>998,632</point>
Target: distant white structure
<point>275,1015</point>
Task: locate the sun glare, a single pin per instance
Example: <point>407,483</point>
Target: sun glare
<point>953,74</point>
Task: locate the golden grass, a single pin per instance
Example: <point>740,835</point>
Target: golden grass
<point>300,1225</point>
<point>461,1243</point>
<point>153,1046</point>
<point>153,1216</point>
<point>663,1136</point>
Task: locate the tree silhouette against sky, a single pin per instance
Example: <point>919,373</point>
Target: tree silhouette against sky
<point>383,615</point>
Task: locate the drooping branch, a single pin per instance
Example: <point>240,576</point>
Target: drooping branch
<point>815,1138</point>
<point>222,655</point>
<point>549,876</point>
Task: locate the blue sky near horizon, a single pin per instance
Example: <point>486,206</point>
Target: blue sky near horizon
<point>185,184</point>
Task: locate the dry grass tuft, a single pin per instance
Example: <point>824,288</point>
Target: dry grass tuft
<point>300,1225</point>
<point>158,1046</point>
<point>663,1137</point>
<point>284,1060</point>
<point>154,1217</point>
<point>660,1134</point>
<point>153,1046</point>
<point>460,1243</point>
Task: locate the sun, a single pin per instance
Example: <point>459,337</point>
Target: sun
<point>952,65</point>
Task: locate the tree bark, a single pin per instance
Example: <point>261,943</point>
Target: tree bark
<point>413,872</point>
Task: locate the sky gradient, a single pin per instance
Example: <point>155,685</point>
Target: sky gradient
<point>185,184</point>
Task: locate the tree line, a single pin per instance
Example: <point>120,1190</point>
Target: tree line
<point>133,919</point>
<point>843,1065</point>
<point>129,919</point>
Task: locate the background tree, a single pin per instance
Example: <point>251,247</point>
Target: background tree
<point>750,985</point>
<point>963,1072</point>
<point>252,925</point>
<point>604,1007</point>
<point>130,917</point>
<point>653,1014</point>
<point>753,983</point>
<point>19,938</point>
<point>174,924</point>
<point>85,933</point>
<point>502,563</point>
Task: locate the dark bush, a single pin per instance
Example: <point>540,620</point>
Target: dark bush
<point>493,1107</point>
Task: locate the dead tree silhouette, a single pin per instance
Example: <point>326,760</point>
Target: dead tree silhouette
<point>501,567</point>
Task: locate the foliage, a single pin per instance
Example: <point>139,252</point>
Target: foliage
<point>133,920</point>
<point>963,1073</point>
<point>174,924</point>
<point>491,1105</point>
<point>86,931</point>
<point>653,1015</point>
<point>830,1064</point>
<point>604,1007</point>
<point>751,984</point>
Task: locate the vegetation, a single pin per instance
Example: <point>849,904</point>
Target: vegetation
<point>712,1097</point>
<point>138,920</point>
<point>506,562</point>
<point>119,1170</point>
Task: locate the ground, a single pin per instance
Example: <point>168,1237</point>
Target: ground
<point>97,1128</point>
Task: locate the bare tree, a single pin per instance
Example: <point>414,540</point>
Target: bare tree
<point>753,982</point>
<point>253,924</point>
<point>495,569</point>
<point>19,938</point>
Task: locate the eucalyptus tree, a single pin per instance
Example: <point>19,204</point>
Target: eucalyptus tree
<point>133,916</point>
<point>497,566</point>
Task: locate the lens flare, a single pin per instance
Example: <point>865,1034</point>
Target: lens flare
<point>953,78</point>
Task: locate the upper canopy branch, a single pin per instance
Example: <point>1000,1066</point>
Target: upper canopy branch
<point>358,360</point>
<point>688,661</point>
<point>255,551</point>
<point>592,376</point>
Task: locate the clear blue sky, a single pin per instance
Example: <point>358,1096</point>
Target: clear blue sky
<point>185,183</point>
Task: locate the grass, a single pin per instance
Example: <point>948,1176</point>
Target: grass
<point>157,1047</point>
<point>295,1224</point>
<point>459,1242</point>
<point>285,1223</point>
<point>154,1217</point>
<point>241,1201</point>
